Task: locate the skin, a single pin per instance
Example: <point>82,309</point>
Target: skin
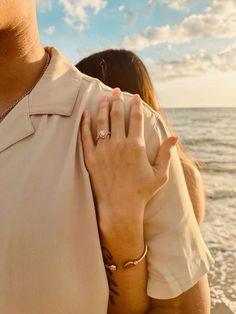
<point>196,190</point>
<point>120,157</point>
<point>22,58</point>
<point>108,163</point>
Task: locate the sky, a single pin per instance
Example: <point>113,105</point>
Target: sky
<point>188,46</point>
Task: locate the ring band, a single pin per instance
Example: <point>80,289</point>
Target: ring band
<point>102,134</point>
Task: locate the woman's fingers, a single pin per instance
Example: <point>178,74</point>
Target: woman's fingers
<point>102,117</point>
<point>117,115</point>
<point>87,139</point>
<point>162,162</point>
<point>136,120</point>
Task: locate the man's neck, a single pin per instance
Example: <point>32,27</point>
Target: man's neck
<point>21,62</point>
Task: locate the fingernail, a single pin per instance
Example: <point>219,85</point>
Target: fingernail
<point>136,98</point>
<point>174,140</point>
<point>116,91</point>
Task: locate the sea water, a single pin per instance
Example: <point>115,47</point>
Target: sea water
<point>210,135</point>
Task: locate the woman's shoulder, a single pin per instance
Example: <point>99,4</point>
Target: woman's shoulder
<point>191,171</point>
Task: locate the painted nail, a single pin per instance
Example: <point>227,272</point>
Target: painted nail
<point>136,99</point>
<point>116,91</point>
<point>174,140</point>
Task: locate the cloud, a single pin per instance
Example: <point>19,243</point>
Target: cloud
<point>217,21</point>
<point>76,11</point>
<point>44,5</point>
<point>200,79</point>
<point>150,6</point>
<point>196,64</point>
<point>130,16</point>
<point>177,5</point>
<point>50,30</point>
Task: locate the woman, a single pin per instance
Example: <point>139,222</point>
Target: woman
<point>125,69</point>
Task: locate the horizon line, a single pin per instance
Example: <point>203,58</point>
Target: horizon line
<point>210,107</point>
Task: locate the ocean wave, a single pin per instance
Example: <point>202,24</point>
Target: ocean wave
<point>222,249</point>
<point>219,166</point>
<point>221,194</point>
<point>202,141</point>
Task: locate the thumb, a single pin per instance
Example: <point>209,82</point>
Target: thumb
<point>162,161</point>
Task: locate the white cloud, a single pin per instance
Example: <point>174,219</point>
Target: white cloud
<point>178,5</point>
<point>130,16</point>
<point>193,65</point>
<point>76,11</point>
<point>44,5</point>
<point>197,80</point>
<point>50,30</point>
<point>217,21</point>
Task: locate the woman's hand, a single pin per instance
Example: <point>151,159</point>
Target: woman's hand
<point>118,165</point>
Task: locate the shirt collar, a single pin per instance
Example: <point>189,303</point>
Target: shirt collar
<point>57,90</point>
<point>55,93</point>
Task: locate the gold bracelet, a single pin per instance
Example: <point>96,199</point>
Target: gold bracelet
<point>128,264</point>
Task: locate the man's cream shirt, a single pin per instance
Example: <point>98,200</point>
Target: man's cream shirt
<point>50,256</point>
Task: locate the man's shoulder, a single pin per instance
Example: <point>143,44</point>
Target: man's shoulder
<point>93,89</point>
<point>63,81</point>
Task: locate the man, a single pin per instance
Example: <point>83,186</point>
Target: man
<point>50,254</point>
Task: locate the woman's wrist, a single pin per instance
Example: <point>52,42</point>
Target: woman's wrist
<point>120,253</point>
<point>121,236</point>
<point>121,222</point>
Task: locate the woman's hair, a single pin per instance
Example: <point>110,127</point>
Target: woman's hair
<point>124,69</point>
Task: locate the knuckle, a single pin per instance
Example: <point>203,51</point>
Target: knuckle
<point>101,149</point>
<point>103,105</point>
<point>135,146</point>
<point>136,143</point>
<point>115,112</point>
<point>100,120</point>
<point>137,115</point>
<point>118,144</point>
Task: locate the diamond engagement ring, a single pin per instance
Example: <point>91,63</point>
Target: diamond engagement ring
<point>102,134</point>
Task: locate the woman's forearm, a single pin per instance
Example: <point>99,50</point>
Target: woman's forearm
<point>122,242</point>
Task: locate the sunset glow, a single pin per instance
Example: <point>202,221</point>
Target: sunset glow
<point>188,46</point>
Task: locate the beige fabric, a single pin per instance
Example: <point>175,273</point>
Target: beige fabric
<point>50,258</point>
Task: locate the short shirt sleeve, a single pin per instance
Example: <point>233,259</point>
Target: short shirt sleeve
<point>177,255</point>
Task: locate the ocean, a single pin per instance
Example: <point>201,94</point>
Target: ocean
<point>209,134</point>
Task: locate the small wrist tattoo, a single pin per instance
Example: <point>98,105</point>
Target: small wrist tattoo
<point>108,259</point>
